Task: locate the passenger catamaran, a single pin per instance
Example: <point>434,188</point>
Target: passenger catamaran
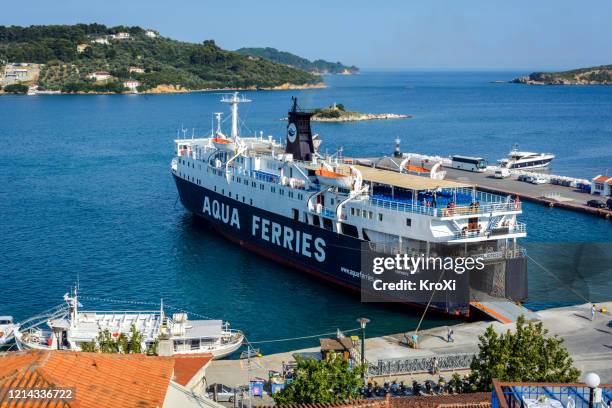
<point>66,327</point>
<point>314,213</point>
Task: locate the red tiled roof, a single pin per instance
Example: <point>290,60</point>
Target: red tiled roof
<point>602,179</point>
<point>188,365</point>
<point>98,379</point>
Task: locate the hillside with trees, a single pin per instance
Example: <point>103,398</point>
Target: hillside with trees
<point>69,54</point>
<point>318,67</point>
<point>601,75</point>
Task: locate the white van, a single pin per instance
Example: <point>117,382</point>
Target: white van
<point>502,173</point>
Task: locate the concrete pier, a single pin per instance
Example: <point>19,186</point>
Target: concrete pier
<point>588,342</point>
<point>551,195</point>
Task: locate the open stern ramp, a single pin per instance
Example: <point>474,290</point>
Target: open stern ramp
<point>501,309</point>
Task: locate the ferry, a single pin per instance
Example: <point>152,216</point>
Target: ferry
<point>66,327</point>
<point>316,213</point>
<point>526,160</point>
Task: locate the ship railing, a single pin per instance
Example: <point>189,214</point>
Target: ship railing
<point>502,253</point>
<point>398,206</point>
<point>517,228</point>
<point>475,209</point>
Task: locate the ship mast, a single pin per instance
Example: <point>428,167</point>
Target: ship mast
<point>234,101</point>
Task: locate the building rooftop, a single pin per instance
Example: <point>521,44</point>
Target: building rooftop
<point>97,379</point>
<point>186,366</point>
<point>336,344</point>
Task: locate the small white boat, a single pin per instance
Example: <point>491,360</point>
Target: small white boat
<point>7,330</point>
<point>526,160</point>
<point>69,328</point>
<point>332,178</point>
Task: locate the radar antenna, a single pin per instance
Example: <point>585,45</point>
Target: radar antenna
<point>234,100</point>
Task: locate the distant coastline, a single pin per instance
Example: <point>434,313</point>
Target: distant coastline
<point>600,75</point>
<point>172,89</point>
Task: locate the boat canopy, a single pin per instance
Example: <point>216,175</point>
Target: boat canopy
<point>407,181</point>
<point>204,329</point>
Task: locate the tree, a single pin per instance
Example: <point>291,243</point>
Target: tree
<point>525,355</point>
<point>107,343</point>
<point>16,88</point>
<point>326,381</point>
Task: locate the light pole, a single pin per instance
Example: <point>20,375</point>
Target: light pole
<point>592,381</point>
<point>362,323</point>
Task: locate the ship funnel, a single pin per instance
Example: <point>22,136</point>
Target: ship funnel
<point>299,134</point>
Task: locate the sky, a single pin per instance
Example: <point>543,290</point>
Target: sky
<point>381,34</point>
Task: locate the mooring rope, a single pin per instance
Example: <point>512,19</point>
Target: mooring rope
<point>302,337</point>
<point>559,279</point>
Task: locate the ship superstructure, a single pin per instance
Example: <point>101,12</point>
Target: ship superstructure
<point>313,212</point>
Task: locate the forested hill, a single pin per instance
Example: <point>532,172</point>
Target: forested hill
<point>71,53</point>
<point>601,75</point>
<point>283,57</point>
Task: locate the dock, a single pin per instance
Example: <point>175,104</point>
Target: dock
<point>550,195</point>
<point>586,340</point>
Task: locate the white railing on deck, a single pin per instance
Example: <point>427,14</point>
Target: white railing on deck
<point>517,228</point>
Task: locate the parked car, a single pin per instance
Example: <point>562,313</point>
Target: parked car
<point>221,393</point>
<point>609,203</point>
<point>538,180</point>
<point>525,178</point>
<point>502,173</point>
<point>596,204</point>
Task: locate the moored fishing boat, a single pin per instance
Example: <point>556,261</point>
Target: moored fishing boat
<point>69,328</point>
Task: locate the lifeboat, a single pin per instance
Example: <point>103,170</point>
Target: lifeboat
<point>223,144</point>
<point>416,170</point>
<point>334,179</point>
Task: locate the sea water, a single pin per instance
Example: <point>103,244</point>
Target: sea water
<point>86,195</point>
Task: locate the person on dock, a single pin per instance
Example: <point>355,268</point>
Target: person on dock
<point>593,310</point>
<point>434,366</point>
<point>415,341</point>
<point>449,336</point>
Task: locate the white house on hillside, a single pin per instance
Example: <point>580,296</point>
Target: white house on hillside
<point>100,40</point>
<point>150,33</point>
<point>132,85</point>
<point>99,75</point>
<point>137,70</point>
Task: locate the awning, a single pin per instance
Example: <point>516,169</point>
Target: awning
<point>407,181</point>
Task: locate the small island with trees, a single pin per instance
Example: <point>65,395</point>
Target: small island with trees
<point>601,75</point>
<point>338,113</point>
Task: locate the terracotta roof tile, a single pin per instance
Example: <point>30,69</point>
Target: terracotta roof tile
<point>602,179</point>
<point>98,379</point>
<point>188,365</point>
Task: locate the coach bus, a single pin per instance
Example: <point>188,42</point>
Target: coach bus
<point>469,163</point>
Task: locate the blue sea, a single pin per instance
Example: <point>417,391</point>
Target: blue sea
<point>86,194</point>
